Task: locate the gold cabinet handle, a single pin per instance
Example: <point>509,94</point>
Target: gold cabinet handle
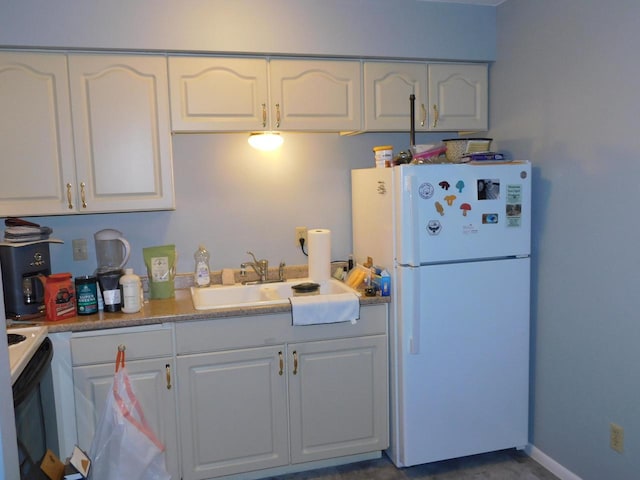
<point>436,115</point>
<point>277,115</point>
<point>264,115</point>
<point>424,115</point>
<point>167,369</point>
<point>281,362</point>
<point>295,362</point>
<point>83,195</point>
<point>69,202</point>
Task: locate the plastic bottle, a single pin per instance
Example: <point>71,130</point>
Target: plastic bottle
<point>131,291</point>
<point>202,277</point>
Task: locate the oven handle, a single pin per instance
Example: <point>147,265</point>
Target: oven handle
<point>30,377</point>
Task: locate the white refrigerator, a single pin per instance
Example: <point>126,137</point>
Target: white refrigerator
<point>456,240</point>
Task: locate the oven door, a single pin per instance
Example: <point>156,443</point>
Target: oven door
<point>35,411</point>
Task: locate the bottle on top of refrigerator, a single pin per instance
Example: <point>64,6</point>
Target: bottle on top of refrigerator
<point>131,291</point>
<point>202,277</point>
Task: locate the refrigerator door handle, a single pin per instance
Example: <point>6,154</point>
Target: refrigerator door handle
<point>415,312</point>
<point>412,254</point>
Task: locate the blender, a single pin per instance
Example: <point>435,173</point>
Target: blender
<point>112,250</point>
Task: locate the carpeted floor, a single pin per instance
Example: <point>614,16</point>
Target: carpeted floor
<point>502,465</point>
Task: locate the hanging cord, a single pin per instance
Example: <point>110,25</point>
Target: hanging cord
<point>301,240</point>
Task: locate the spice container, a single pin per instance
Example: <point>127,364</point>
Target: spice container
<point>383,155</point>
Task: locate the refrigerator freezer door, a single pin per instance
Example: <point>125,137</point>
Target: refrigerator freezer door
<point>464,390</point>
<point>453,212</point>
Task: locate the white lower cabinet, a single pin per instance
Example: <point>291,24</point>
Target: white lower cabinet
<point>93,360</point>
<point>245,396</point>
<point>321,393</point>
<point>233,409</point>
<point>337,397</point>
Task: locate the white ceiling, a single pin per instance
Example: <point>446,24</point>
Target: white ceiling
<point>493,3</point>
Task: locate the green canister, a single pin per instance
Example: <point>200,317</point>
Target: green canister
<point>86,295</point>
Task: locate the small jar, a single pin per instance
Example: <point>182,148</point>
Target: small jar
<point>383,155</point>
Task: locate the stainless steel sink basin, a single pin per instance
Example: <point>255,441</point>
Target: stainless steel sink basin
<point>228,296</point>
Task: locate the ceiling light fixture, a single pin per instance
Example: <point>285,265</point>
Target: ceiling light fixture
<point>265,141</point>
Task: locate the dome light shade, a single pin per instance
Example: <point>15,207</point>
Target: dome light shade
<point>265,141</point>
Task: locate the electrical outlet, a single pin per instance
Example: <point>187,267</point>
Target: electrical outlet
<point>301,232</point>
<point>616,437</point>
<point>79,246</point>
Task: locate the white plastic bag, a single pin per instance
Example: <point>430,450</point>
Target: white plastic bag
<point>124,447</point>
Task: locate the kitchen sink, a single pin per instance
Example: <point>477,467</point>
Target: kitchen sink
<point>228,296</point>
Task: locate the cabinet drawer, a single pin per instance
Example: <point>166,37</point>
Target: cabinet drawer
<point>242,332</point>
<point>86,350</point>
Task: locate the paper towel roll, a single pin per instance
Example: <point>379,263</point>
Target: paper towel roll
<point>319,254</point>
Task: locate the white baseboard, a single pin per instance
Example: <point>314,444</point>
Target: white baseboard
<point>550,464</point>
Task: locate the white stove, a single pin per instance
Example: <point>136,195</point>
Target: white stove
<point>21,352</point>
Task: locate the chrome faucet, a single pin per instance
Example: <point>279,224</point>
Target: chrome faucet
<point>261,267</point>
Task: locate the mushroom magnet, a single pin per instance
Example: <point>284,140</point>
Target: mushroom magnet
<point>465,207</point>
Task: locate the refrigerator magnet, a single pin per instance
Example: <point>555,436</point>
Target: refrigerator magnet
<point>426,190</point>
<point>490,218</point>
<point>434,227</point>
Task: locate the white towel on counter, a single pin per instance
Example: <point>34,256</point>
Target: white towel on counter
<point>319,309</point>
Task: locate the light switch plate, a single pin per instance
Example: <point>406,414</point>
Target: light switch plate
<point>79,246</point>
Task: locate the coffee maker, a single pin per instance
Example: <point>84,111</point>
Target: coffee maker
<point>23,290</point>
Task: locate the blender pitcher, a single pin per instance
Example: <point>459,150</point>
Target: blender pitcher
<point>112,250</point>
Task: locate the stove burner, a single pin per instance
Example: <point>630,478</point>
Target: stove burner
<point>14,338</point>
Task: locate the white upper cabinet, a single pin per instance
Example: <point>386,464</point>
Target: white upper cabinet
<point>218,94</point>
<point>316,95</point>
<point>35,134</point>
<point>95,139</point>
<point>387,87</point>
<point>449,97</point>
<point>122,135</point>
<point>458,97</point>
<point>247,94</point>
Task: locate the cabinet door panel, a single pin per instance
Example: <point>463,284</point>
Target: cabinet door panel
<point>316,95</point>
<point>35,134</point>
<point>148,380</point>
<point>458,96</point>
<point>218,94</point>
<point>387,87</point>
<point>338,398</point>
<point>234,412</point>
<point>121,114</point>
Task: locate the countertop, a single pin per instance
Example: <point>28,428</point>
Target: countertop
<point>176,309</point>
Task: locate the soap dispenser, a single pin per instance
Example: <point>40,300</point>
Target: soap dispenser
<point>202,276</point>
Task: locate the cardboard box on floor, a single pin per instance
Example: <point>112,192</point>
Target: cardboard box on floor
<point>76,467</point>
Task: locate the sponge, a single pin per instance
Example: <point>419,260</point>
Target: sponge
<point>228,277</point>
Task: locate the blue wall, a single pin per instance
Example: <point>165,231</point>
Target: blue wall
<point>564,93</point>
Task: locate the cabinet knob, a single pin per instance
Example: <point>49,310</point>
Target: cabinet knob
<point>281,362</point>
<point>167,368</point>
<point>436,115</point>
<point>295,362</point>
<point>264,115</point>
<point>424,115</point>
<point>83,195</point>
<point>69,202</point>
<point>277,115</point>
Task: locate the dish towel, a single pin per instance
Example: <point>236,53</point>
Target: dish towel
<point>318,309</point>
